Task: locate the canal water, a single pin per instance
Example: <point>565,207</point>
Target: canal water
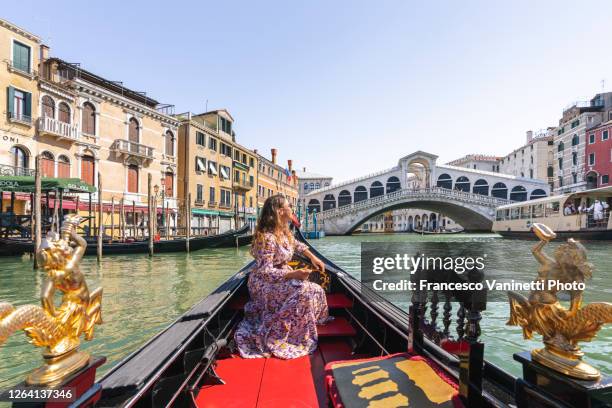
<point>143,295</point>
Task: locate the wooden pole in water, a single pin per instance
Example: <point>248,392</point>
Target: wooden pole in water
<point>37,209</point>
<point>122,220</point>
<point>112,234</point>
<point>188,220</point>
<point>134,229</point>
<point>150,223</point>
<point>100,219</point>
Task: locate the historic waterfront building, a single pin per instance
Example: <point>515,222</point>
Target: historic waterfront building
<point>478,162</point>
<point>532,160</point>
<point>309,182</point>
<point>272,179</point>
<point>570,141</point>
<point>408,219</point>
<point>598,151</point>
<point>218,172</point>
<point>20,56</point>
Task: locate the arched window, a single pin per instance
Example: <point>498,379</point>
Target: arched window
<point>88,124</point>
<point>20,160</point>
<point>445,181</point>
<point>376,189</point>
<point>63,167</point>
<point>481,187</point>
<point>500,190</point>
<point>132,178</point>
<point>344,198</point>
<point>393,184</point>
<point>360,194</point>
<point>47,164</point>
<point>575,140</point>
<point>537,193</point>
<point>329,202</point>
<point>462,184</point>
<point>169,143</point>
<point>560,147</point>
<point>133,131</point>
<point>48,107</point>
<point>88,165</point>
<point>169,183</point>
<point>518,193</point>
<point>64,113</point>
<point>314,205</point>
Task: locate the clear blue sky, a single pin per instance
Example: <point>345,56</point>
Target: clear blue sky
<point>346,87</point>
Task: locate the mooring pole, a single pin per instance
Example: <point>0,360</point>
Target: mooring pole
<point>37,209</point>
<point>188,220</point>
<point>112,234</point>
<point>151,215</point>
<point>100,219</point>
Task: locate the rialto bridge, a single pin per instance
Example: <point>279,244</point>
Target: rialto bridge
<point>468,196</point>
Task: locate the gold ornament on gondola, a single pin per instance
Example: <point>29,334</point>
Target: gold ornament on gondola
<point>57,328</point>
<point>542,313</point>
<point>321,277</point>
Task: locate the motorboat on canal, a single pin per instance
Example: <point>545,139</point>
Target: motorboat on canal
<point>193,363</point>
<point>231,238</point>
<point>568,215</point>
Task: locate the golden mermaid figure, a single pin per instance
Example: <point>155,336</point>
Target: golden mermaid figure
<point>58,328</point>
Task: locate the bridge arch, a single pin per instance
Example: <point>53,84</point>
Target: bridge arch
<point>537,193</point>
<point>344,198</point>
<point>445,181</point>
<point>329,202</point>
<point>393,184</point>
<point>518,193</point>
<point>376,189</point>
<point>500,190</point>
<point>313,205</point>
<point>360,194</point>
<point>462,184</point>
<point>481,186</point>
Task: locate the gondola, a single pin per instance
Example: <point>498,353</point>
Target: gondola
<point>444,232</point>
<point>14,246</point>
<point>192,363</point>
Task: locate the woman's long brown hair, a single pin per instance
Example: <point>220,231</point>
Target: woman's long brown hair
<point>270,221</point>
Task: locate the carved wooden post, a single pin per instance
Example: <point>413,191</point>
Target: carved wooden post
<point>100,220</point>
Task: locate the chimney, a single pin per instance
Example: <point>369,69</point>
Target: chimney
<point>290,164</point>
<point>255,151</point>
<point>529,136</point>
<point>304,169</point>
<point>44,55</point>
<point>273,150</point>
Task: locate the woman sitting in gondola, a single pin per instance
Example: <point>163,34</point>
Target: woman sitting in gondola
<point>285,308</point>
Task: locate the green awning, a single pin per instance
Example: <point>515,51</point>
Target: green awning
<point>226,214</point>
<point>204,212</point>
<point>25,184</point>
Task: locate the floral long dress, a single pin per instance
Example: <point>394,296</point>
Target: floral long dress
<point>281,317</point>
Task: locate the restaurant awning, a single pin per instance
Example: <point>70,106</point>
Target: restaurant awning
<point>26,184</point>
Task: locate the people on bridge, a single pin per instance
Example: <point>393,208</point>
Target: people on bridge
<point>282,316</point>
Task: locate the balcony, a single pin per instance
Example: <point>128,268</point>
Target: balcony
<point>242,185</point>
<point>58,129</point>
<point>20,118</point>
<point>15,171</point>
<point>127,149</point>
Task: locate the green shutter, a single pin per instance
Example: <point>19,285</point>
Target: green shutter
<point>28,105</point>
<point>10,100</point>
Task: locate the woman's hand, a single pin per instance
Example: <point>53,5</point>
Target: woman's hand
<point>317,263</point>
<point>301,274</point>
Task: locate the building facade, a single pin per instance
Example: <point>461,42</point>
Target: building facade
<point>478,162</point>
<point>309,182</point>
<point>570,141</point>
<point>534,159</point>
<point>273,179</point>
<point>407,220</point>
<point>218,172</point>
<point>598,151</point>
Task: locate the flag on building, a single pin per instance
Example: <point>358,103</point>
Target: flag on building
<point>288,173</point>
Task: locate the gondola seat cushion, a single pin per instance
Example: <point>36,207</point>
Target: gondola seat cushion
<point>396,380</point>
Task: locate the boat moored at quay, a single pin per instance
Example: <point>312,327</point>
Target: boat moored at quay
<point>582,215</point>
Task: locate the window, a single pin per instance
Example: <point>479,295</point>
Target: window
<point>48,107</point>
<point>560,131</point>
<point>63,167</point>
<point>132,183</point>
<point>169,183</point>
<point>251,162</point>
<point>200,164</point>
<point>560,181</point>
<point>200,139</point>
<point>211,195</point>
<point>87,169</point>
<point>591,159</point>
<point>169,143</point>
<point>244,158</point>
<point>47,164</point>
<point>226,150</point>
<point>575,123</point>
<point>574,178</point>
<point>531,173</point>
<point>575,140</point>
<point>605,179</point>
<point>592,138</point>
<point>605,135</point>
<point>226,125</point>
<point>226,198</point>
<point>560,163</point>
<point>574,158</point>
<point>199,193</point>
<point>560,147</point>
<point>19,105</point>
<point>64,113</point>
<point>20,159</point>
<point>236,155</point>
<point>88,124</point>
<point>21,56</point>
<point>212,144</point>
<point>212,168</point>
<point>133,130</point>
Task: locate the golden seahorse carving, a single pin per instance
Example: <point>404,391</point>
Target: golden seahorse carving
<point>561,328</point>
<point>57,328</point>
